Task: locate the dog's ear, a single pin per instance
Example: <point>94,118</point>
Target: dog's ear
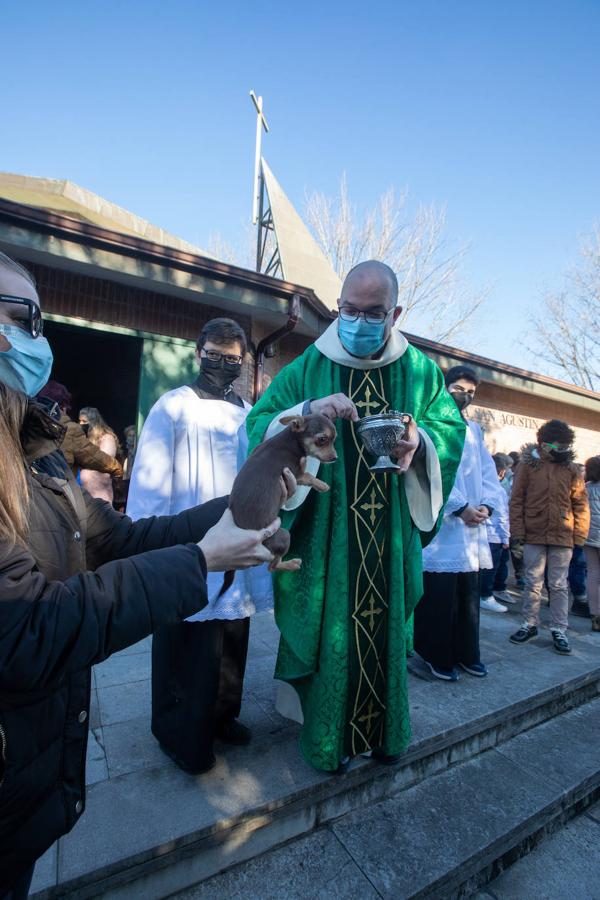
<point>298,423</point>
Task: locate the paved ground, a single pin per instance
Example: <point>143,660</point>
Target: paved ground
<point>137,797</point>
<point>565,866</point>
<point>120,740</point>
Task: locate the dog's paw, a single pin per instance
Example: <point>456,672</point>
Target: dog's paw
<point>288,565</point>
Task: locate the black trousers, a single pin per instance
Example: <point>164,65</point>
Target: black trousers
<point>447,619</point>
<point>197,680</point>
<point>494,579</point>
<point>20,889</point>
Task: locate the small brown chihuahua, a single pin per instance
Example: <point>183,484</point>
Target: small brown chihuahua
<point>255,498</point>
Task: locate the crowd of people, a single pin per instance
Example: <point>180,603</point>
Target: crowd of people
<point>103,543</point>
<point>101,464</point>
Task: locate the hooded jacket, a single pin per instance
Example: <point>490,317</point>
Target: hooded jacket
<point>548,503</point>
<point>88,583</point>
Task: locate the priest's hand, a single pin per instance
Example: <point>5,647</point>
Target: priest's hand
<point>405,449</point>
<point>225,546</point>
<point>335,406</point>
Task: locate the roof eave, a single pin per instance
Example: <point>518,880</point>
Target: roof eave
<point>75,232</point>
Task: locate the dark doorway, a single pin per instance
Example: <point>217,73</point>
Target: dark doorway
<point>100,369</point>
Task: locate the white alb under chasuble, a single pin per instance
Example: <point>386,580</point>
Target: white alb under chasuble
<point>189,452</point>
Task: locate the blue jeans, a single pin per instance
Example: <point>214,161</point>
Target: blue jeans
<point>578,572</point>
<point>494,579</point>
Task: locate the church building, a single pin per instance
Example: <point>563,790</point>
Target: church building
<point>124,302</point>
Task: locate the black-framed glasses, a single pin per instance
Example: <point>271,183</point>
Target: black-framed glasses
<point>453,389</point>
<point>372,316</point>
<point>230,358</point>
<point>33,319</point>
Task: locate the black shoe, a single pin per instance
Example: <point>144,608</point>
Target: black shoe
<point>233,732</point>
<point>191,770</point>
<point>561,642</point>
<point>386,759</point>
<point>524,634</point>
<point>581,608</point>
<point>478,669</point>
<point>442,674</point>
<point>343,766</point>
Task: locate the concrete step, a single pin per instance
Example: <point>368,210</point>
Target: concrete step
<point>452,834</point>
<point>151,832</point>
<point>566,864</point>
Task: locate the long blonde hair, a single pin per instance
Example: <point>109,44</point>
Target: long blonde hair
<point>98,427</point>
<point>14,491</point>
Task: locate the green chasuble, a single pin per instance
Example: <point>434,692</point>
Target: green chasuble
<point>343,617</point>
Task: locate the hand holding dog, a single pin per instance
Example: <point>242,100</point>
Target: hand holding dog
<point>227,547</point>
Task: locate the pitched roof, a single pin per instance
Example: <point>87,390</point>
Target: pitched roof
<point>68,198</point>
<point>302,260</point>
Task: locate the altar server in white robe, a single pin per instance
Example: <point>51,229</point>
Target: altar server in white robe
<point>447,616</point>
<point>189,452</point>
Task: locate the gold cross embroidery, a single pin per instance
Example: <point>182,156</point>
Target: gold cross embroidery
<point>371,612</point>
<point>368,716</point>
<point>371,507</point>
<point>368,403</point>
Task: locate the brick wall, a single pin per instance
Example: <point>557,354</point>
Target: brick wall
<point>98,300</point>
<point>523,404</point>
<point>69,294</point>
<point>292,346</point>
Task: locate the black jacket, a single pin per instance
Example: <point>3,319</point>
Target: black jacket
<point>89,583</point>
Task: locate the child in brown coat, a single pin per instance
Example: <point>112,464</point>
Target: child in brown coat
<point>549,512</point>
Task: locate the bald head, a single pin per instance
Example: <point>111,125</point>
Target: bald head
<point>367,304</point>
<point>374,282</point>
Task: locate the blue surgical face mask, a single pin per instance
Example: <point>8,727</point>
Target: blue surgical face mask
<point>361,338</point>
<point>26,365</point>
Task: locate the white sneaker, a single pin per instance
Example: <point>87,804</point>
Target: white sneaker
<point>505,597</point>
<point>491,604</point>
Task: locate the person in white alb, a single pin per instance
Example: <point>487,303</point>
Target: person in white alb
<point>498,535</point>
<point>189,452</point>
<point>447,617</point>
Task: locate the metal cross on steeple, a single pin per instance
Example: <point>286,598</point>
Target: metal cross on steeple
<point>268,260</point>
<point>261,123</point>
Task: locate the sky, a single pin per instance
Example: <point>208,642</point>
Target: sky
<point>490,110</point>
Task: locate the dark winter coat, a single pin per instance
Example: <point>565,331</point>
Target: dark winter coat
<point>89,583</point>
<point>548,502</point>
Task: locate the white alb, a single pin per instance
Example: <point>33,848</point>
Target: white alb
<point>189,452</point>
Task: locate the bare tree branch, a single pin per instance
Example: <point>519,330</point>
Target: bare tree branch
<point>432,291</point>
<point>567,325</point>
<point>241,254</point>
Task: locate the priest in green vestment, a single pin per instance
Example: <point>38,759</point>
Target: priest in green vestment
<point>345,615</point>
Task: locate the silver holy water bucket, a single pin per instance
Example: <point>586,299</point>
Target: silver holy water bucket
<point>380,434</point>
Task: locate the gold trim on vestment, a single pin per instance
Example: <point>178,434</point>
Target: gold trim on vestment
<point>369,508</point>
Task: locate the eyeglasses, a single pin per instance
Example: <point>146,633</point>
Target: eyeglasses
<point>548,446</point>
<point>33,320</point>
<point>230,358</point>
<point>457,389</point>
<point>373,317</point>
